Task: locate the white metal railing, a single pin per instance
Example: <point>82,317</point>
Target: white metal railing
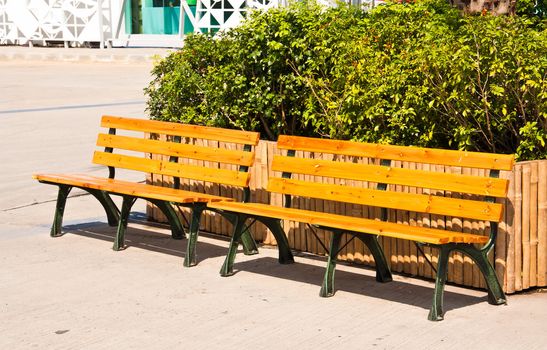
<point>23,21</point>
<point>79,21</point>
<point>212,15</point>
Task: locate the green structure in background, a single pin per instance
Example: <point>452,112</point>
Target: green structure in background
<point>156,17</point>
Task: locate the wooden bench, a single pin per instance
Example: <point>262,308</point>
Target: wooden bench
<point>477,202</point>
<point>230,167</point>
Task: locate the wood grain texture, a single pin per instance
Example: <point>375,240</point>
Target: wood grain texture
<point>393,175</point>
<point>411,154</point>
<point>526,173</point>
<point>511,244</point>
<point>533,224</point>
<point>221,176</point>
<point>197,152</point>
<point>183,130</point>
<point>368,226</point>
<point>395,200</point>
<point>542,223</point>
<point>128,188</point>
<point>518,227</point>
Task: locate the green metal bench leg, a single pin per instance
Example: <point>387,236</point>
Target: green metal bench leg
<point>112,211</point>
<point>248,243</point>
<point>274,225</point>
<point>383,273</point>
<point>177,230</point>
<point>247,240</point>
<point>56,228</point>
<point>228,266</point>
<point>436,313</point>
<point>190,257</point>
<point>122,223</point>
<point>327,288</point>
<point>495,292</point>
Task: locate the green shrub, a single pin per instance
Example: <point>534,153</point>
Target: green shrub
<point>532,8</point>
<point>420,74</point>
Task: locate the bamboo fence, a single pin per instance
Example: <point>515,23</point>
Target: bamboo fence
<point>520,253</point>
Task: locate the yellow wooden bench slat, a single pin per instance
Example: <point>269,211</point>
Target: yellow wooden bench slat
<point>128,188</point>
<point>176,149</point>
<point>183,130</point>
<point>220,176</point>
<point>402,153</point>
<point>343,222</point>
<point>383,174</point>
<point>395,200</point>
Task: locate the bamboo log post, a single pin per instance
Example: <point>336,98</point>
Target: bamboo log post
<point>320,206</point>
<point>392,255</point>
<point>287,224</point>
<point>206,218</point>
<point>511,241</point>
<point>199,186</point>
<point>387,242</point>
<point>542,223</point>
<point>300,227</point>
<point>478,228</point>
<point>426,222</point>
<point>417,222</point>
<point>161,180</point>
<point>500,249</point>
<point>225,191</point>
<point>439,222</point>
<point>526,226</point>
<point>518,227</point>
<point>400,220</point>
<point>373,213</point>
<point>467,228</point>
<point>457,224</point>
<point>420,222</point>
<point>533,223</point>
<point>448,225</point>
<point>410,219</point>
<point>260,172</point>
<point>156,180</point>
<point>274,198</point>
<point>348,210</point>
<point>358,245</point>
<point>309,244</point>
<point>149,180</point>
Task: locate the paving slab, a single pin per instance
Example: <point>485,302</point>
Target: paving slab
<point>82,55</point>
<point>75,292</point>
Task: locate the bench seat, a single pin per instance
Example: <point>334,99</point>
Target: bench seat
<point>353,224</point>
<point>121,187</point>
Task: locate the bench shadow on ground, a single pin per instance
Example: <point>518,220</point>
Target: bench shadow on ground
<point>146,238</point>
<point>365,284</point>
<point>402,292</point>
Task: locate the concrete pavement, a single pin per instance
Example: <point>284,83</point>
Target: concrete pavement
<point>74,292</point>
<point>81,55</point>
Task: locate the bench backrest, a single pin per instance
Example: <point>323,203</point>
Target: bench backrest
<point>386,196</point>
<point>242,159</point>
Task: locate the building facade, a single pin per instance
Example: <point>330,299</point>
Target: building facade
<point>119,22</point>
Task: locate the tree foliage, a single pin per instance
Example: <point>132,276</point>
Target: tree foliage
<point>411,74</point>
